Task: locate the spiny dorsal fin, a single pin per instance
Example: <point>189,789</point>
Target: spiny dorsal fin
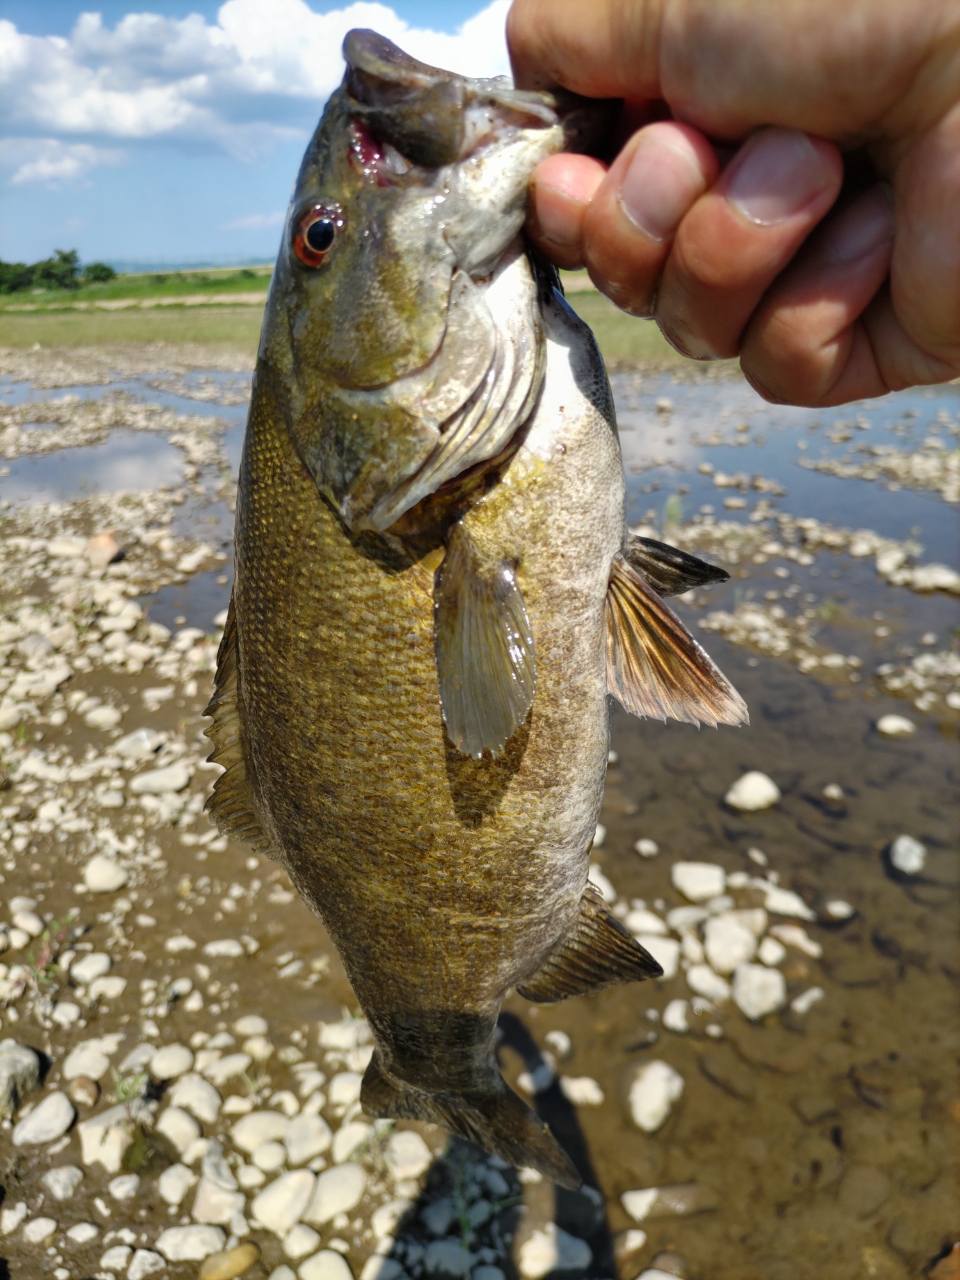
<point>231,804</point>
<point>654,665</point>
<point>598,953</point>
<point>484,650</point>
<point>669,570</point>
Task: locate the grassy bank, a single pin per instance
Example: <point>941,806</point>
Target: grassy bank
<point>148,287</point>
<point>624,340</point>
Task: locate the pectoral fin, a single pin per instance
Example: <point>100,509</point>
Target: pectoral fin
<point>668,570</point>
<point>654,665</point>
<point>484,650</point>
<point>231,805</point>
<point>598,953</point>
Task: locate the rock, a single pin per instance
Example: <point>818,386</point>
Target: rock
<point>655,1087</point>
<point>88,1060</point>
<point>83,1233</point>
<point>125,1187</point>
<point>29,922</point>
<point>666,952</point>
<point>325,1265</point>
<point>447,1258</point>
<point>213,1203</point>
<point>306,1137</point>
<point>91,966</point>
<point>103,718</point>
<point>39,1230</point>
<point>438,1215</point>
<point>258,1127</point>
<point>627,1244</point>
<point>752,792</point>
<point>667,1265</point>
<point>793,935</point>
<point>758,991</point>
<point>784,902</point>
<point>837,909</point>
<point>270,1156</point>
<point>231,1262</point>
<point>582,1091</point>
<point>728,942</point>
<point>724,1070</point>
<point>378,1267</point>
<point>102,549</point>
<point>251,1025</point>
<point>190,1244</point>
<point>907,855</point>
<point>179,1127</point>
<point>675,1016</point>
<point>49,1120</point>
<point>62,1181</point>
<point>408,1155</point>
<point>174,1183</point>
<point>893,726</point>
<point>698,881</point>
<point>678,1201</point>
<point>195,1094</point>
<point>805,1001</point>
<point>224,948</point>
<point>10,1219</point>
<point>66,1013</point>
<point>643,921</point>
<point>863,1190</point>
<point>103,874</point>
<point>386,1219</point>
<point>19,1074</point>
<point>155,782</point>
<point>116,1258</point>
<point>345,1089</point>
<point>702,979</point>
<point>300,1240</point>
<point>646,848</point>
<point>109,988</point>
<point>284,1201</point>
<point>137,746</point>
<point>144,1263</point>
<point>338,1190</point>
<point>104,1138</point>
<point>228,1068</point>
<point>771,952</point>
<point>551,1249</point>
<point>350,1138</point>
<point>171,1061</point>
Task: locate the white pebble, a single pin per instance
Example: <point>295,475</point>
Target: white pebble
<point>655,1088</point>
<point>63,1181</point>
<point>833,791</point>
<point>136,746</point>
<point>338,1190</point>
<point>179,942</point>
<point>197,1095</point>
<point>771,952</point>
<point>794,935</point>
<point>251,1025</point>
<point>784,902</point>
<point>10,1219</point>
<point>270,1156</point>
<point>325,1265</point>
<point>104,874</point>
<point>758,991</point>
<point>228,948</point>
<point>306,1137</point>
<point>698,881</point>
<point>675,1016</point>
<point>157,781</point>
<point>560,1043</point>
<point>807,999</point>
<point>666,952</point>
<point>300,1241</point>
<point>752,792</point>
<point>103,717</point>
<point>348,1139</point>
<point>345,1089</point>
<point>220,1070</point>
<point>643,921</point>
<point>29,922</point>
<point>728,943</point>
<point>837,909</point>
<point>108,988</point>
<point>144,1263</point>
<point>601,882</point>
<point>582,1091</point>
<point>39,1229</point>
<point>908,855</point>
<point>258,1127</point>
<point>551,1249</point>
<point>190,1244</point>
<point>702,980</point>
<point>284,1201</point>
<point>408,1154</point>
<point>180,1128</point>
<point>171,1061</point>
<point>48,1121</point>
<point>894,726</point>
<point>646,848</point>
<point>19,1074</point>
<point>83,1233</point>
<point>90,967</point>
<point>174,1183</point>
<point>125,1187</point>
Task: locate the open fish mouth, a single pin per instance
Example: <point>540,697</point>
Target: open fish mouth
<point>423,116</point>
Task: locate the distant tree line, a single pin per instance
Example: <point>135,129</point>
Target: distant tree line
<point>62,271</point>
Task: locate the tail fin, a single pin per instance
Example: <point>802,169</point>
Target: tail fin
<point>498,1121</point>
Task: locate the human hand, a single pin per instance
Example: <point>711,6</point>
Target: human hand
<point>825,301</point>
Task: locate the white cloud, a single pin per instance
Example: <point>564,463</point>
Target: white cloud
<point>258,74</point>
<point>52,162</point>
<point>256,222</point>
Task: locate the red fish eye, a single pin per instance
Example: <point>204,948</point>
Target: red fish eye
<point>316,232</point>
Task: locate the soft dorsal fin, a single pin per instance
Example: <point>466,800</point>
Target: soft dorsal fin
<point>654,665</point>
<point>669,570</point>
<point>598,953</point>
<point>484,649</point>
<point>231,805</point>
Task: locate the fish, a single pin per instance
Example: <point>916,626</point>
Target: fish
<point>435,592</point>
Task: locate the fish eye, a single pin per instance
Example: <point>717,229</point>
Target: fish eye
<point>316,232</point>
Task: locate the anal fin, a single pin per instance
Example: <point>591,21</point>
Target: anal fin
<point>484,650</point>
<point>231,806</point>
<point>599,953</point>
<point>654,665</point>
<point>669,570</point>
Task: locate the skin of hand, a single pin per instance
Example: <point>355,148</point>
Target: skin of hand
<point>826,295</point>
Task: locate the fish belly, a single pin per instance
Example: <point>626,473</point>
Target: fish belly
<point>443,880</point>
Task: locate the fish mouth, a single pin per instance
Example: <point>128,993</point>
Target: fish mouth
<point>407,113</point>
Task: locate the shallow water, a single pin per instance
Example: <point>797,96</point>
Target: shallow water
<point>824,1142</point>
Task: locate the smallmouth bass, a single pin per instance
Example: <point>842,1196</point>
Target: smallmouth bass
<point>435,592</point>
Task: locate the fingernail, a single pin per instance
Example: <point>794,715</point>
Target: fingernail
<point>776,175</point>
<point>660,184</point>
<point>863,227</point>
<point>559,219</point>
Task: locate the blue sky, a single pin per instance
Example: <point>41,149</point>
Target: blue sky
<point>172,132</point>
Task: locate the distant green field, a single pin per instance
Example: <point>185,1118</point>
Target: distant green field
<point>624,340</point>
